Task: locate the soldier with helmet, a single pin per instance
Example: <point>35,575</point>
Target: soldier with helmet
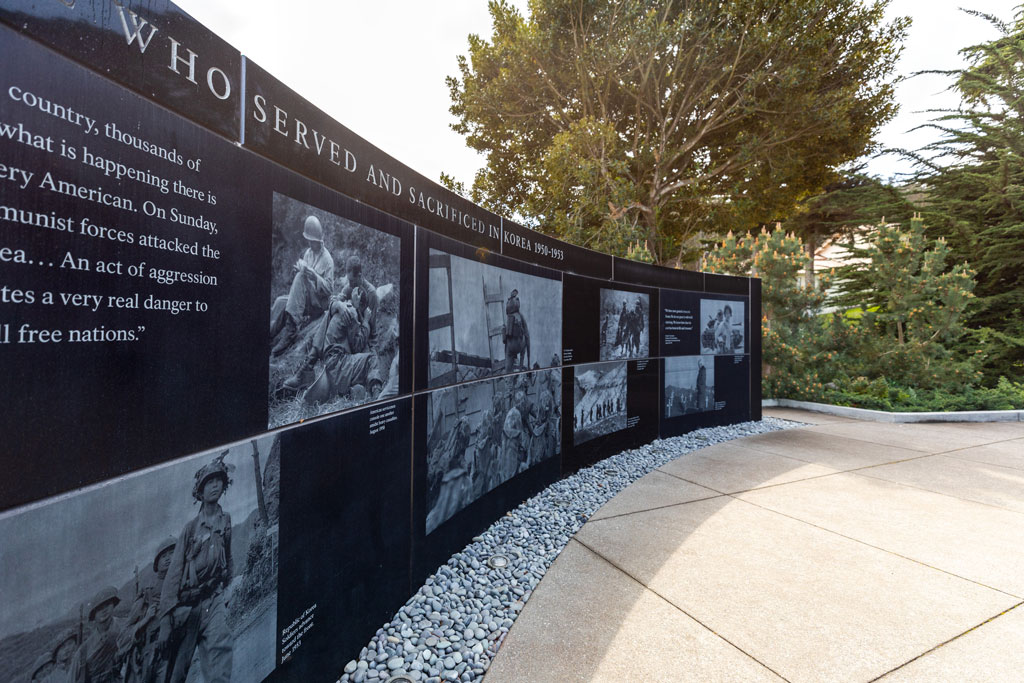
<point>488,446</point>
<point>310,290</point>
<point>638,325</point>
<point>341,341</point>
<point>623,328</point>
<point>515,334</point>
<point>98,659</point>
<point>148,663</point>
<point>354,273</point>
<point>192,599</point>
<point>454,478</point>
<point>63,657</point>
<point>514,439</point>
<point>42,669</point>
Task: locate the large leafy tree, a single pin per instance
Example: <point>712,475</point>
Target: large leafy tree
<point>610,121</point>
<point>974,178</point>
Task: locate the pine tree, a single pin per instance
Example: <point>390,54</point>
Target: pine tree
<point>792,353</point>
<point>974,179</point>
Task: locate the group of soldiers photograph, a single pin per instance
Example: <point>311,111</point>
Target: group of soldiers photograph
<point>519,426</point>
<point>597,412</point>
<point>624,324</point>
<point>485,320</point>
<point>599,400</point>
<point>330,340</point>
<point>176,617</point>
<point>723,330</point>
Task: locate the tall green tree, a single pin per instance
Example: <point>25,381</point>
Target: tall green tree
<point>974,177</point>
<point>610,121</point>
<point>842,210</point>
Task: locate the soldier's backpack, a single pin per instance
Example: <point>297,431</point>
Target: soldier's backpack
<point>515,326</point>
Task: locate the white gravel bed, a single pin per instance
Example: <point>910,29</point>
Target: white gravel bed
<point>454,624</point>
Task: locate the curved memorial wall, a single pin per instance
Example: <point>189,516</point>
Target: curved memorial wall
<point>261,378</point>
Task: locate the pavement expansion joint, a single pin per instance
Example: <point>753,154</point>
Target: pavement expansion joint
<point>678,608</point>
<point>875,547</point>
<point>937,493</point>
<point>655,507</point>
<point>946,642</point>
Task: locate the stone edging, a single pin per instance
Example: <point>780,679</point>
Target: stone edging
<point>884,416</point>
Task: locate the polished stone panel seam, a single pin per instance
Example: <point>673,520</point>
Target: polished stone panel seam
<point>946,642</point>
<point>884,550</point>
<point>677,607</point>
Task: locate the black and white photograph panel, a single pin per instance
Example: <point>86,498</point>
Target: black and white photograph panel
<point>480,435</point>
<point>689,385</point>
<point>485,320</point>
<point>721,330</point>
<point>334,313</point>
<point>168,575</point>
<point>625,324</point>
<point>599,400</point>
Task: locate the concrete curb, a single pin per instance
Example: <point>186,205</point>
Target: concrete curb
<point>883,416</point>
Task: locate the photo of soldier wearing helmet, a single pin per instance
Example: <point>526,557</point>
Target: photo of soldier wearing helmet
<point>625,324</point>
<point>168,575</point>
<point>722,330</point>
<point>488,321</point>
<point>334,324</point>
<point>480,435</point>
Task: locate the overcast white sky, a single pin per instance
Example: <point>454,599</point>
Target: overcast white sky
<point>379,67</point>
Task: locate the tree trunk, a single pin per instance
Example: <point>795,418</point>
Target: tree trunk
<point>812,247</point>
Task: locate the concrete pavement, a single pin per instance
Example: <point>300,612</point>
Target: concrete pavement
<point>839,551</point>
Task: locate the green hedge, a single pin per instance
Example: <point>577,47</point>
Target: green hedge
<point>881,394</point>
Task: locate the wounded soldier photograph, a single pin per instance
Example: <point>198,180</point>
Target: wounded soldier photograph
<point>721,327</point>
<point>165,576</point>
<point>334,323</point>
<point>485,320</point>
<point>625,324</point>
<point>599,400</point>
<point>689,385</point>
<point>480,435</point>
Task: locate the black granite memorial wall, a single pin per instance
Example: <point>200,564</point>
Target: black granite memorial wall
<point>231,328</point>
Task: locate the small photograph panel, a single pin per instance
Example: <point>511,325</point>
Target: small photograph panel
<point>167,575</point>
<point>482,434</point>
<point>485,320</point>
<point>599,400</point>
<point>625,324</point>
<point>722,330</point>
<point>689,385</point>
<point>334,313</point>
